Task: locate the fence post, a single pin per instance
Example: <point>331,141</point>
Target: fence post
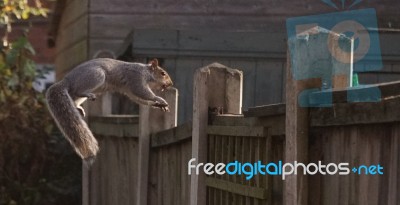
<point>152,121</point>
<point>313,52</point>
<point>215,86</point>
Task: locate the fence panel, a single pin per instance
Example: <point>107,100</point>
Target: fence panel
<point>357,145</point>
<point>243,144</point>
<point>112,179</point>
<point>169,182</point>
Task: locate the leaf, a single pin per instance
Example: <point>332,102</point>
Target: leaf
<point>29,47</point>
<point>43,12</point>
<point>14,81</point>
<point>11,57</point>
<point>25,14</point>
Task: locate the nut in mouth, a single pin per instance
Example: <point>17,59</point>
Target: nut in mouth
<point>163,87</point>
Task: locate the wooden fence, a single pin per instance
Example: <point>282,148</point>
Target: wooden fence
<point>357,133</point>
<point>144,159</point>
<point>169,182</point>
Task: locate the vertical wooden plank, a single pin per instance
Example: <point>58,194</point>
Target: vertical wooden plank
<point>236,179</point>
<point>224,159</point>
<point>188,152</point>
<point>85,185</point>
<point>153,179</point>
<point>239,157</point>
<point>331,182</point>
<point>178,172</point>
<point>230,158</point>
<point>363,159</point>
<point>160,176</point>
<point>134,176</point>
<point>256,157</point>
<point>218,158</point>
<point>374,159</point>
<point>344,181</point>
<point>354,147</point>
<point>268,158</point>
<point>394,163</point>
<point>246,158</point>
<point>199,134</point>
<point>384,160</point>
<point>183,167</point>
<point>168,174</point>
<point>211,159</point>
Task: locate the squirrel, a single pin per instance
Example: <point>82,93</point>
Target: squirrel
<point>135,80</point>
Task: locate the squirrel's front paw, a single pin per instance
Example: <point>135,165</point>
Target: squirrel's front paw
<point>161,104</point>
<point>164,107</point>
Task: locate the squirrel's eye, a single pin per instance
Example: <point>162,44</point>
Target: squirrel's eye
<point>163,73</point>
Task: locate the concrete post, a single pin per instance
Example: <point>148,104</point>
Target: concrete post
<point>151,121</point>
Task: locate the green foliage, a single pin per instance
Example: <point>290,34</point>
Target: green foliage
<point>34,164</point>
<point>19,9</point>
<point>37,165</point>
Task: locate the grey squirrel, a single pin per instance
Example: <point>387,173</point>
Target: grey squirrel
<point>135,80</point>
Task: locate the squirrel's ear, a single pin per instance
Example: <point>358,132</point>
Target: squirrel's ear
<point>154,63</point>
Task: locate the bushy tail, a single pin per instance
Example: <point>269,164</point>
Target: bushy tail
<point>71,122</point>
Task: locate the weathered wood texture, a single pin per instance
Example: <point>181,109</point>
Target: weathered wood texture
<point>169,182</point>
<point>309,55</point>
<point>113,177</point>
<point>181,52</point>
<point>367,92</point>
<point>235,189</point>
<point>217,87</point>
<point>89,26</point>
<point>341,114</point>
<point>151,121</point>
<point>234,138</point>
<point>266,110</point>
<point>122,16</point>
<point>228,144</point>
<point>171,152</point>
<point>72,36</point>
<point>371,144</point>
<point>360,134</point>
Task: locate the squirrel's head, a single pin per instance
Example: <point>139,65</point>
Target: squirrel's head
<point>161,77</point>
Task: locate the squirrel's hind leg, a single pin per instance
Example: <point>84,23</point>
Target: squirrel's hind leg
<point>81,111</point>
<point>78,102</point>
